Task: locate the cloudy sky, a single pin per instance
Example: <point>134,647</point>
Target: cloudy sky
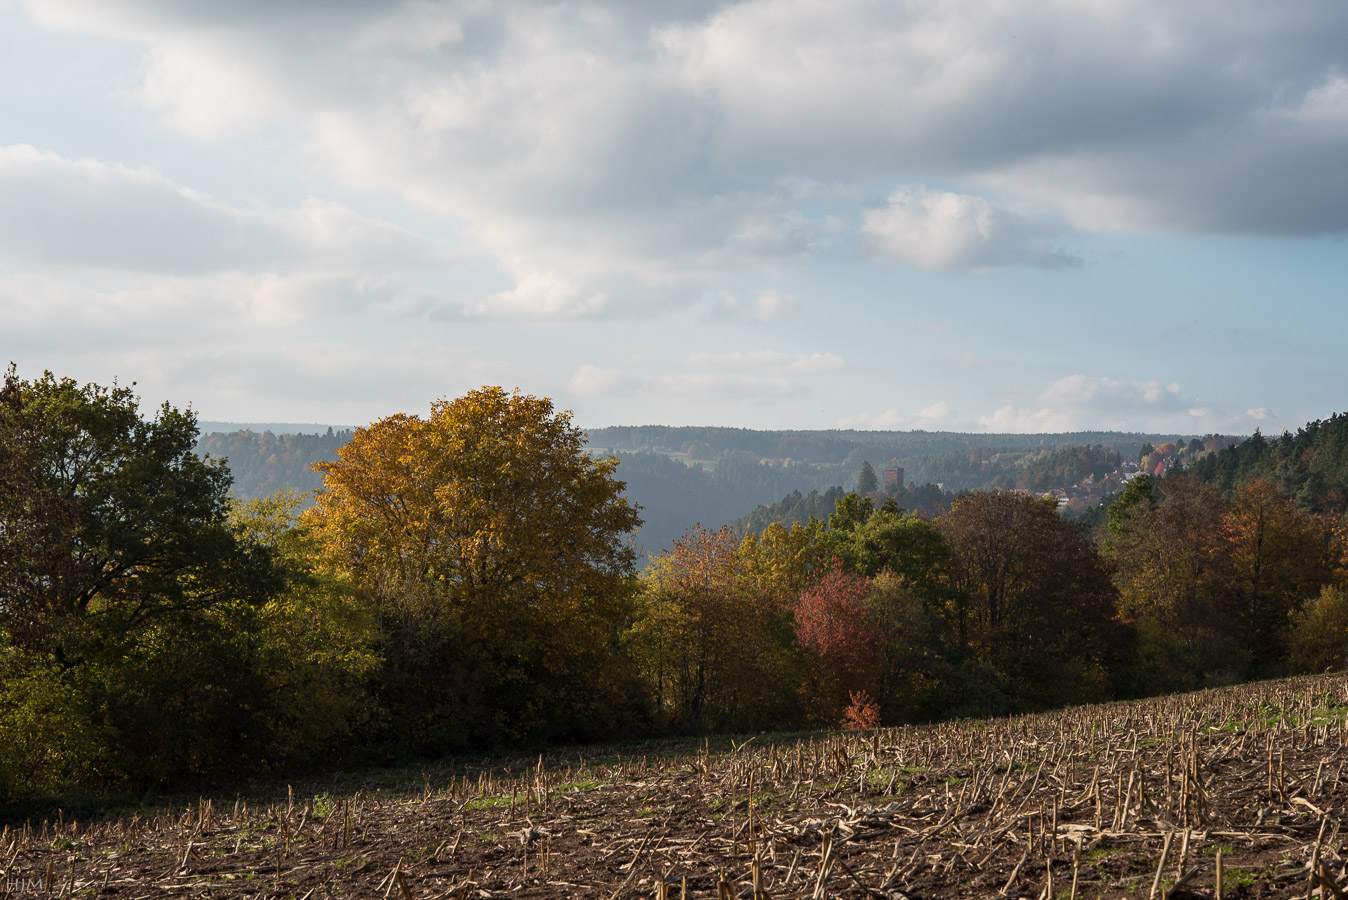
<point>940,214</point>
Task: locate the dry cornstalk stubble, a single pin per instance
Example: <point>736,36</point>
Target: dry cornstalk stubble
<point>1225,793</point>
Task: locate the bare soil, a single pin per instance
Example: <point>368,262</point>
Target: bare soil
<point>1135,800</point>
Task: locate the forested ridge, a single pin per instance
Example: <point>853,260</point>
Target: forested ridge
<point>1310,466</point>
<point>465,579</point>
<point>263,463</point>
<point>838,445</point>
<point>682,477</point>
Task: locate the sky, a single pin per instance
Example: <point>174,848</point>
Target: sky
<point>934,214</point>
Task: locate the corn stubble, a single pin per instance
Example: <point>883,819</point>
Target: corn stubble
<point>1227,793</point>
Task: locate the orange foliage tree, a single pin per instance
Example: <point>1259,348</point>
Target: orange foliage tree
<point>493,547</point>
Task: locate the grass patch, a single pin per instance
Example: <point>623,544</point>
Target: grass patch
<point>1100,855</point>
<point>487,803</point>
<point>572,787</point>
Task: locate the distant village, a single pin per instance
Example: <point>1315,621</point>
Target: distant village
<point>1093,489</point>
<point>1090,492</point>
<point>1156,461</point>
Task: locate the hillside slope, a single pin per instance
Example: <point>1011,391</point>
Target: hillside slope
<point>1123,801</point>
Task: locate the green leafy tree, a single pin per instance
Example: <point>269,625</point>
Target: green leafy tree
<point>140,627</point>
<point>312,644</point>
<point>914,671</point>
<point>850,512</point>
<point>1320,638</point>
<point>891,541</point>
<point>1138,491</point>
<point>108,522</point>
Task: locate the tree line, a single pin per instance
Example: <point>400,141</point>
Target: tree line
<point>465,579</point>
<point>686,476</point>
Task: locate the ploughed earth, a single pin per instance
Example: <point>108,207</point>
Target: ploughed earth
<point>1242,787</point>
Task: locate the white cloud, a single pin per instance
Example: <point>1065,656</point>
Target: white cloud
<point>202,92</point>
<point>591,380</point>
<point>599,160</point>
<point>767,361</point>
<point>1325,105</point>
<point>713,388</point>
<point>755,376</point>
<point>132,251</point>
<point>1089,403</point>
<point>933,229</point>
<point>770,306</point>
<point>540,297</point>
<point>938,416</point>
<point>416,27</point>
<point>766,306</point>
<point>92,213</point>
<point>616,157</point>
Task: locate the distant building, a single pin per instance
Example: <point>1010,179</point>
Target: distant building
<point>893,479</point>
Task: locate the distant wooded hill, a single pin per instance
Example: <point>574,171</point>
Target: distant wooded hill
<point>683,476</point>
<point>263,462</point>
<point>205,427</point>
<point>844,446</point>
<point>1309,467</point>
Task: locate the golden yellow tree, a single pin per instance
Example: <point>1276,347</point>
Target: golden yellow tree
<point>714,641</point>
<point>780,562</point>
<point>494,548</point>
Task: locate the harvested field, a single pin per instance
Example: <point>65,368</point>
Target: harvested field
<point>1235,793</point>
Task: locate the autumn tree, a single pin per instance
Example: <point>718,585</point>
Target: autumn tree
<point>1172,575</point>
<point>834,624</point>
<point>1033,599</point>
<point>781,562</point>
<point>1279,557</point>
<point>1320,637</point>
<point>493,548</point>
<point>713,638</point>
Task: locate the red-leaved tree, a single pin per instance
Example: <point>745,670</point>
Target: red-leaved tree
<point>834,625</point>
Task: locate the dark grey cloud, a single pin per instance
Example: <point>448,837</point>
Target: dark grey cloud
<point>1281,171</point>
<point>603,151</point>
